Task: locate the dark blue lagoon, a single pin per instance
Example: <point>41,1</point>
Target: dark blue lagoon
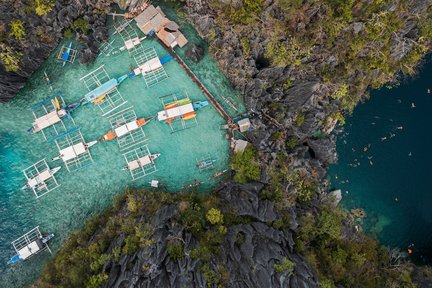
<point>384,165</point>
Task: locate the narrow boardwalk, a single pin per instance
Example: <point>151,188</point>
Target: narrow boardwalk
<point>207,93</point>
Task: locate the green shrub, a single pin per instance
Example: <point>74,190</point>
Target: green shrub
<point>214,216</point>
<point>276,135</point>
<point>175,251</point>
<point>246,166</point>
<point>291,142</point>
<point>10,58</point>
<point>284,266</point>
<point>43,7</point>
<point>68,33</point>
<point>17,29</point>
<point>96,281</point>
<point>300,119</point>
<point>246,47</point>
<point>81,24</point>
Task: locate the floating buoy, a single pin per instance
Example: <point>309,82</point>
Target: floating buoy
<point>410,251</point>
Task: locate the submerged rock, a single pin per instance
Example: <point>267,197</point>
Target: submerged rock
<point>195,53</point>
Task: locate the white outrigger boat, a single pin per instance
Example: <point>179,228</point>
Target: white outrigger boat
<point>50,114</point>
<point>40,178</point>
<point>140,162</point>
<point>143,161</point>
<point>73,149</point>
<point>30,244</point>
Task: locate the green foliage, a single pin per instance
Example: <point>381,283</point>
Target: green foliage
<point>289,5</point>
<point>292,142</point>
<point>214,216</point>
<point>68,33</point>
<point>10,58</point>
<point>246,47</point>
<point>285,265</point>
<point>246,166</point>
<point>247,13</point>
<point>17,29</point>
<point>43,7</point>
<point>304,187</point>
<point>276,135</point>
<point>299,120</point>
<point>97,281</point>
<point>342,9</point>
<point>215,278</point>
<point>193,219</point>
<point>343,261</point>
<point>175,251</point>
<point>81,24</point>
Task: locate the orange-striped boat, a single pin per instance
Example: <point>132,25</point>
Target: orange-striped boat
<point>124,129</point>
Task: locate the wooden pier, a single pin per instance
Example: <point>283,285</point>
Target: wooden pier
<point>207,93</point>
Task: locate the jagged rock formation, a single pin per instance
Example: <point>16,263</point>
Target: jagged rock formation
<point>43,34</point>
<point>249,262</point>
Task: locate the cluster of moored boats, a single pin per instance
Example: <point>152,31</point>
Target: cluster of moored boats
<point>52,117</point>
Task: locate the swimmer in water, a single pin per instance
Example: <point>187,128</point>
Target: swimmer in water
<point>370,157</point>
<point>370,162</point>
<point>392,135</point>
<point>413,105</point>
<point>428,91</point>
<point>344,141</point>
<point>399,128</point>
<point>384,138</point>
<point>365,149</point>
<point>396,199</point>
<point>399,101</point>
<point>373,123</point>
<point>353,150</point>
<point>410,154</point>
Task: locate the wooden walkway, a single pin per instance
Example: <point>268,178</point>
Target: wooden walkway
<point>207,93</point>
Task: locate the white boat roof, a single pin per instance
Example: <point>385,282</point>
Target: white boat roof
<point>154,183</point>
<point>150,65</point>
<point>29,250</point>
<point>46,120</point>
<point>131,43</point>
<point>143,161</point>
<point>126,128</point>
<point>42,177</point>
<point>175,111</point>
<point>73,151</point>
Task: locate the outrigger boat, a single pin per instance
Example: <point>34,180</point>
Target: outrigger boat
<point>74,151</point>
<point>30,244</point>
<point>205,163</point>
<point>53,117</point>
<point>98,94</point>
<point>124,129</point>
<point>192,185</point>
<point>40,178</point>
<point>141,162</point>
<point>65,56</point>
<point>217,174</point>
<point>156,184</point>
<point>181,109</point>
<point>38,182</point>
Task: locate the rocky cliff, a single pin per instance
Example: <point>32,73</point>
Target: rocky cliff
<point>301,66</point>
<point>42,34</point>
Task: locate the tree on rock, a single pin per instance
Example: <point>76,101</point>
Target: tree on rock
<point>17,29</point>
<point>43,7</point>
<point>214,216</point>
<point>9,58</point>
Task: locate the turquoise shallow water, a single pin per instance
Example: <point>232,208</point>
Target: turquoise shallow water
<point>87,191</point>
<point>395,190</point>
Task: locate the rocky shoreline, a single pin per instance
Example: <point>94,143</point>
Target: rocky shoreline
<point>298,109</point>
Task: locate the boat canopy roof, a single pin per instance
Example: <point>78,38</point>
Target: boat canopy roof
<point>46,120</point>
<point>175,112</point>
<point>150,65</point>
<point>30,249</point>
<point>131,43</point>
<point>73,151</point>
<point>126,128</point>
<point>101,90</point>
<point>42,177</point>
<point>140,162</point>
